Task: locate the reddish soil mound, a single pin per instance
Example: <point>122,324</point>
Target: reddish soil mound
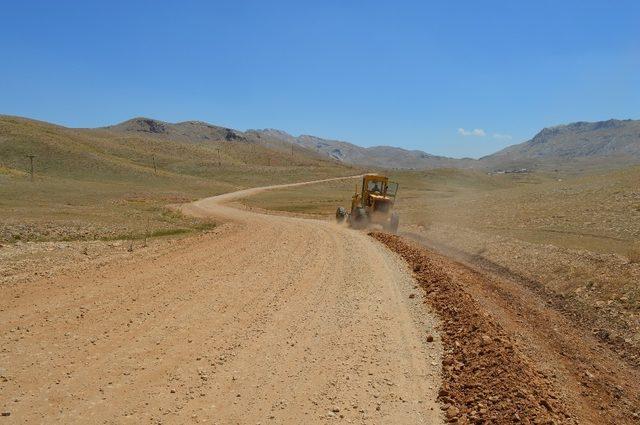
<point>486,379</point>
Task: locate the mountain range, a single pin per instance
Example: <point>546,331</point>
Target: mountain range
<point>190,144</point>
<point>612,142</point>
<point>581,144</point>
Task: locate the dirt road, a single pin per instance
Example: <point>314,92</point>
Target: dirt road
<point>267,319</point>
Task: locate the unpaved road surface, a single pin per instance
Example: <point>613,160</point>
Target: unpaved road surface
<point>267,319</point>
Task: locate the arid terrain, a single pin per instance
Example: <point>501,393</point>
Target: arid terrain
<point>159,276</point>
<point>264,318</point>
<point>570,303</point>
<point>276,318</point>
<point>572,235</point>
<point>295,213</point>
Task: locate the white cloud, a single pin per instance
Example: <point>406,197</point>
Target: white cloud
<point>502,136</point>
<point>476,132</point>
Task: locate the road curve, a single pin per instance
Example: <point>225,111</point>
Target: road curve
<point>268,319</point>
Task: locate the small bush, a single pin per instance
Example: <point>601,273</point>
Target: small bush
<point>166,232</point>
<point>206,225</point>
<point>634,254</point>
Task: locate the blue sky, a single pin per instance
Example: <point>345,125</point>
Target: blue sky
<point>458,78</point>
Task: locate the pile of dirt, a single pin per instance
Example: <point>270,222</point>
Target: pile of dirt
<point>486,379</point>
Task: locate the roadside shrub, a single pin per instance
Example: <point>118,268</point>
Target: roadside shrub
<point>634,253</point>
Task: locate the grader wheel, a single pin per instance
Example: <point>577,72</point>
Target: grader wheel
<point>394,222</point>
<point>341,214</point>
<point>359,218</point>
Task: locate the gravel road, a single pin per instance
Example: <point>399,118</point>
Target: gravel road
<point>267,319</point>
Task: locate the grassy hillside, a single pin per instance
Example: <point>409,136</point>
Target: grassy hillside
<point>102,183</point>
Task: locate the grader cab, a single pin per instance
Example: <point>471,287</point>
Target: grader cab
<point>373,204</point>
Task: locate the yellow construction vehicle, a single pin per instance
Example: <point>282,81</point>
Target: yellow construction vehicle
<point>373,204</point>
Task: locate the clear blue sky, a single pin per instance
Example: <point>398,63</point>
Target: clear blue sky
<point>450,77</point>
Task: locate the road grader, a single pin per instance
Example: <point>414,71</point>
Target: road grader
<point>373,204</point>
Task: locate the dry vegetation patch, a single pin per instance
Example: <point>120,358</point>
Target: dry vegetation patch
<point>634,253</point>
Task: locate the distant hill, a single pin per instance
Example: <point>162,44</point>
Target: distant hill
<point>609,144</point>
<point>187,131</point>
<point>377,156</point>
<point>200,132</point>
<point>192,147</point>
<point>604,144</point>
<point>141,147</point>
<point>205,134</point>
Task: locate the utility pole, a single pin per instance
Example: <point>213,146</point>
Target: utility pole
<point>31,156</point>
<point>219,163</point>
<point>291,149</point>
<point>155,167</point>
